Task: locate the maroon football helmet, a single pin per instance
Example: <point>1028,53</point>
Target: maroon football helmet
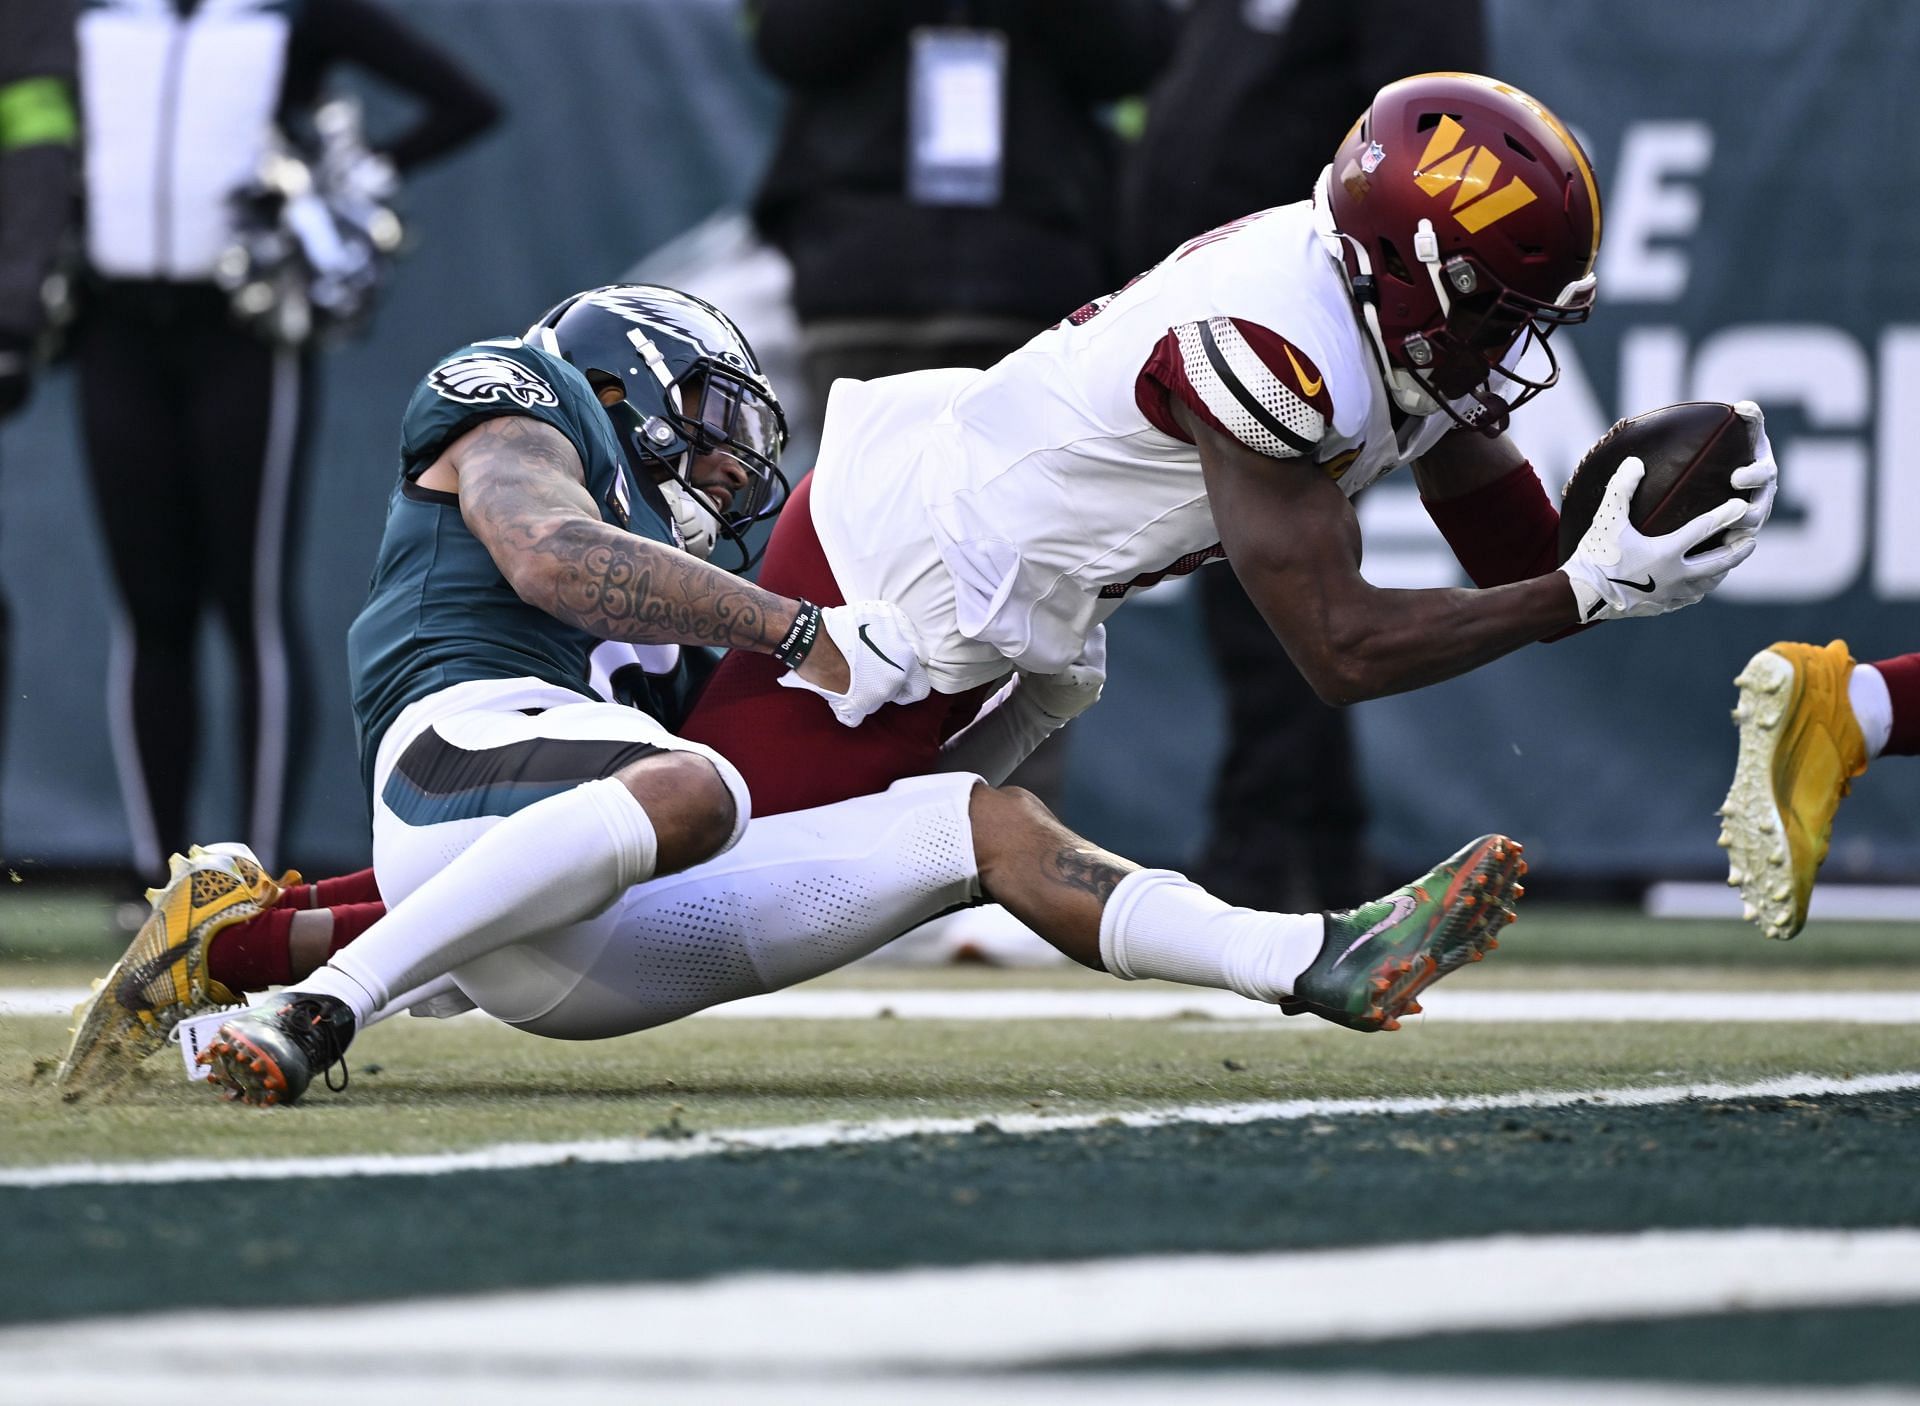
<point>1467,219</point>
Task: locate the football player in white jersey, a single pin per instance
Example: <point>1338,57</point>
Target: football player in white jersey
<point>1227,405</point>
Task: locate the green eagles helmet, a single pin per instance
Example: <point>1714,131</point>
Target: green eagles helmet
<point>692,386</point>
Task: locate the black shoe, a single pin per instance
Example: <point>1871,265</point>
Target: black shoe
<point>269,1054</point>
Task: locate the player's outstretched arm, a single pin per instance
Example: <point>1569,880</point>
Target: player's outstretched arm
<point>523,494</point>
<point>1294,542</point>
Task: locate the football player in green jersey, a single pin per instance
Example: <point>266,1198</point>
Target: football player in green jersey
<point>541,480</point>
<point>518,871</point>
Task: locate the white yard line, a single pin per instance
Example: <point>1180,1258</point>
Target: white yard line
<point>987,1316</point>
<point>512,1156</point>
<point>1159,1003</point>
<point>78,1384</point>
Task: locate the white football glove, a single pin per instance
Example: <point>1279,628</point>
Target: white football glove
<point>883,657</point>
<point>1618,572</point>
<point>1029,710</point>
<point>1066,695</point>
<point>1762,475</point>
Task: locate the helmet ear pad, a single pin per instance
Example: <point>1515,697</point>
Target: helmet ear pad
<point>1468,221</point>
<point>696,521</point>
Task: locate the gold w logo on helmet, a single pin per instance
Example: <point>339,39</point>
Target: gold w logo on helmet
<point>1471,172</point>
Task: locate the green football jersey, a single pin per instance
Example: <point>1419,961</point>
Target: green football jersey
<point>438,611</point>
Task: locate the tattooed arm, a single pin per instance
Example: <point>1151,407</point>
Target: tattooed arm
<point>523,494</point>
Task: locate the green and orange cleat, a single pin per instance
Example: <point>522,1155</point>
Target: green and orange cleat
<point>1379,957</point>
<point>269,1053</point>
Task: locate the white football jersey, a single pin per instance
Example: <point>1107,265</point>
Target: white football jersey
<point>1009,510</point>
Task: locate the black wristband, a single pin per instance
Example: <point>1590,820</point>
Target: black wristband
<point>801,636</point>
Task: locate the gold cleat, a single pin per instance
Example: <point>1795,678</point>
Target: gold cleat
<point>1800,748</point>
<point>162,978</point>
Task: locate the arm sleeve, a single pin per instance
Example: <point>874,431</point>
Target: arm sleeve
<point>1502,532</point>
<point>457,107</point>
<point>1004,735</point>
<point>815,43</point>
<point>1245,380</point>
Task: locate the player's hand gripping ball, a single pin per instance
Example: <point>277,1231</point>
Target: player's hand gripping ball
<point>1663,507</point>
<point>1694,454</point>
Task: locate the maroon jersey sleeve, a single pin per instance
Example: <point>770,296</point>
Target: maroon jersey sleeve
<point>1245,380</point>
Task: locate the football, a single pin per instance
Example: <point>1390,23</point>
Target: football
<point>1689,450</point>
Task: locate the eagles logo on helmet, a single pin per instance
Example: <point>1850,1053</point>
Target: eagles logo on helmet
<point>1467,220</point>
<point>691,385</point>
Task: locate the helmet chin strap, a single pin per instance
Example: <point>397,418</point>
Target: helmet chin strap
<point>1407,393</point>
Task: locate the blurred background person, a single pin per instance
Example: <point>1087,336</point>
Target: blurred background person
<point>195,424</point>
<point>37,147</point>
<point>943,181</point>
<point>1238,123</point>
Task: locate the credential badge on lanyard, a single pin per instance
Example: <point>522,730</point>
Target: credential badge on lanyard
<point>957,99</point>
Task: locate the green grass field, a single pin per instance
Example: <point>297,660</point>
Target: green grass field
<point>1037,1155</point>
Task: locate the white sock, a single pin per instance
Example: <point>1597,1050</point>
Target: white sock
<point>554,863</point>
<point>1872,706</point>
<point>1161,924</point>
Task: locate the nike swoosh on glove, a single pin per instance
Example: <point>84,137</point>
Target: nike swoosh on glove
<point>1617,571</point>
<point>883,657</point>
<point>1761,477</point>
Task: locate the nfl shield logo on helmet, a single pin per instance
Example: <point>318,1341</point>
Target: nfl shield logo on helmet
<point>1371,158</point>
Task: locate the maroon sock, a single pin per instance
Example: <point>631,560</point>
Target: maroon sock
<point>253,955</point>
<point>352,919</point>
<point>355,888</point>
<point>358,887</point>
<point>258,953</point>
<point>1903,686</point>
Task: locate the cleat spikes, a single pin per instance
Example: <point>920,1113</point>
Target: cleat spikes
<point>1379,958</point>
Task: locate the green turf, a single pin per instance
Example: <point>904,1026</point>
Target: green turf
<point>39,921</point>
<point>47,923</point>
<point>974,1198</point>
<point>424,1086</point>
<point>428,1086</point>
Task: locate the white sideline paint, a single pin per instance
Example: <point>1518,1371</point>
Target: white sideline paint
<point>1871,903</point>
<point>518,1155</point>
<point>1122,1003</point>
<point>77,1384</point>
<point>1010,1315</point>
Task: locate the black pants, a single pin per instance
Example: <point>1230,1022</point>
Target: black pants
<point>194,434</point>
<point>1288,818</point>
